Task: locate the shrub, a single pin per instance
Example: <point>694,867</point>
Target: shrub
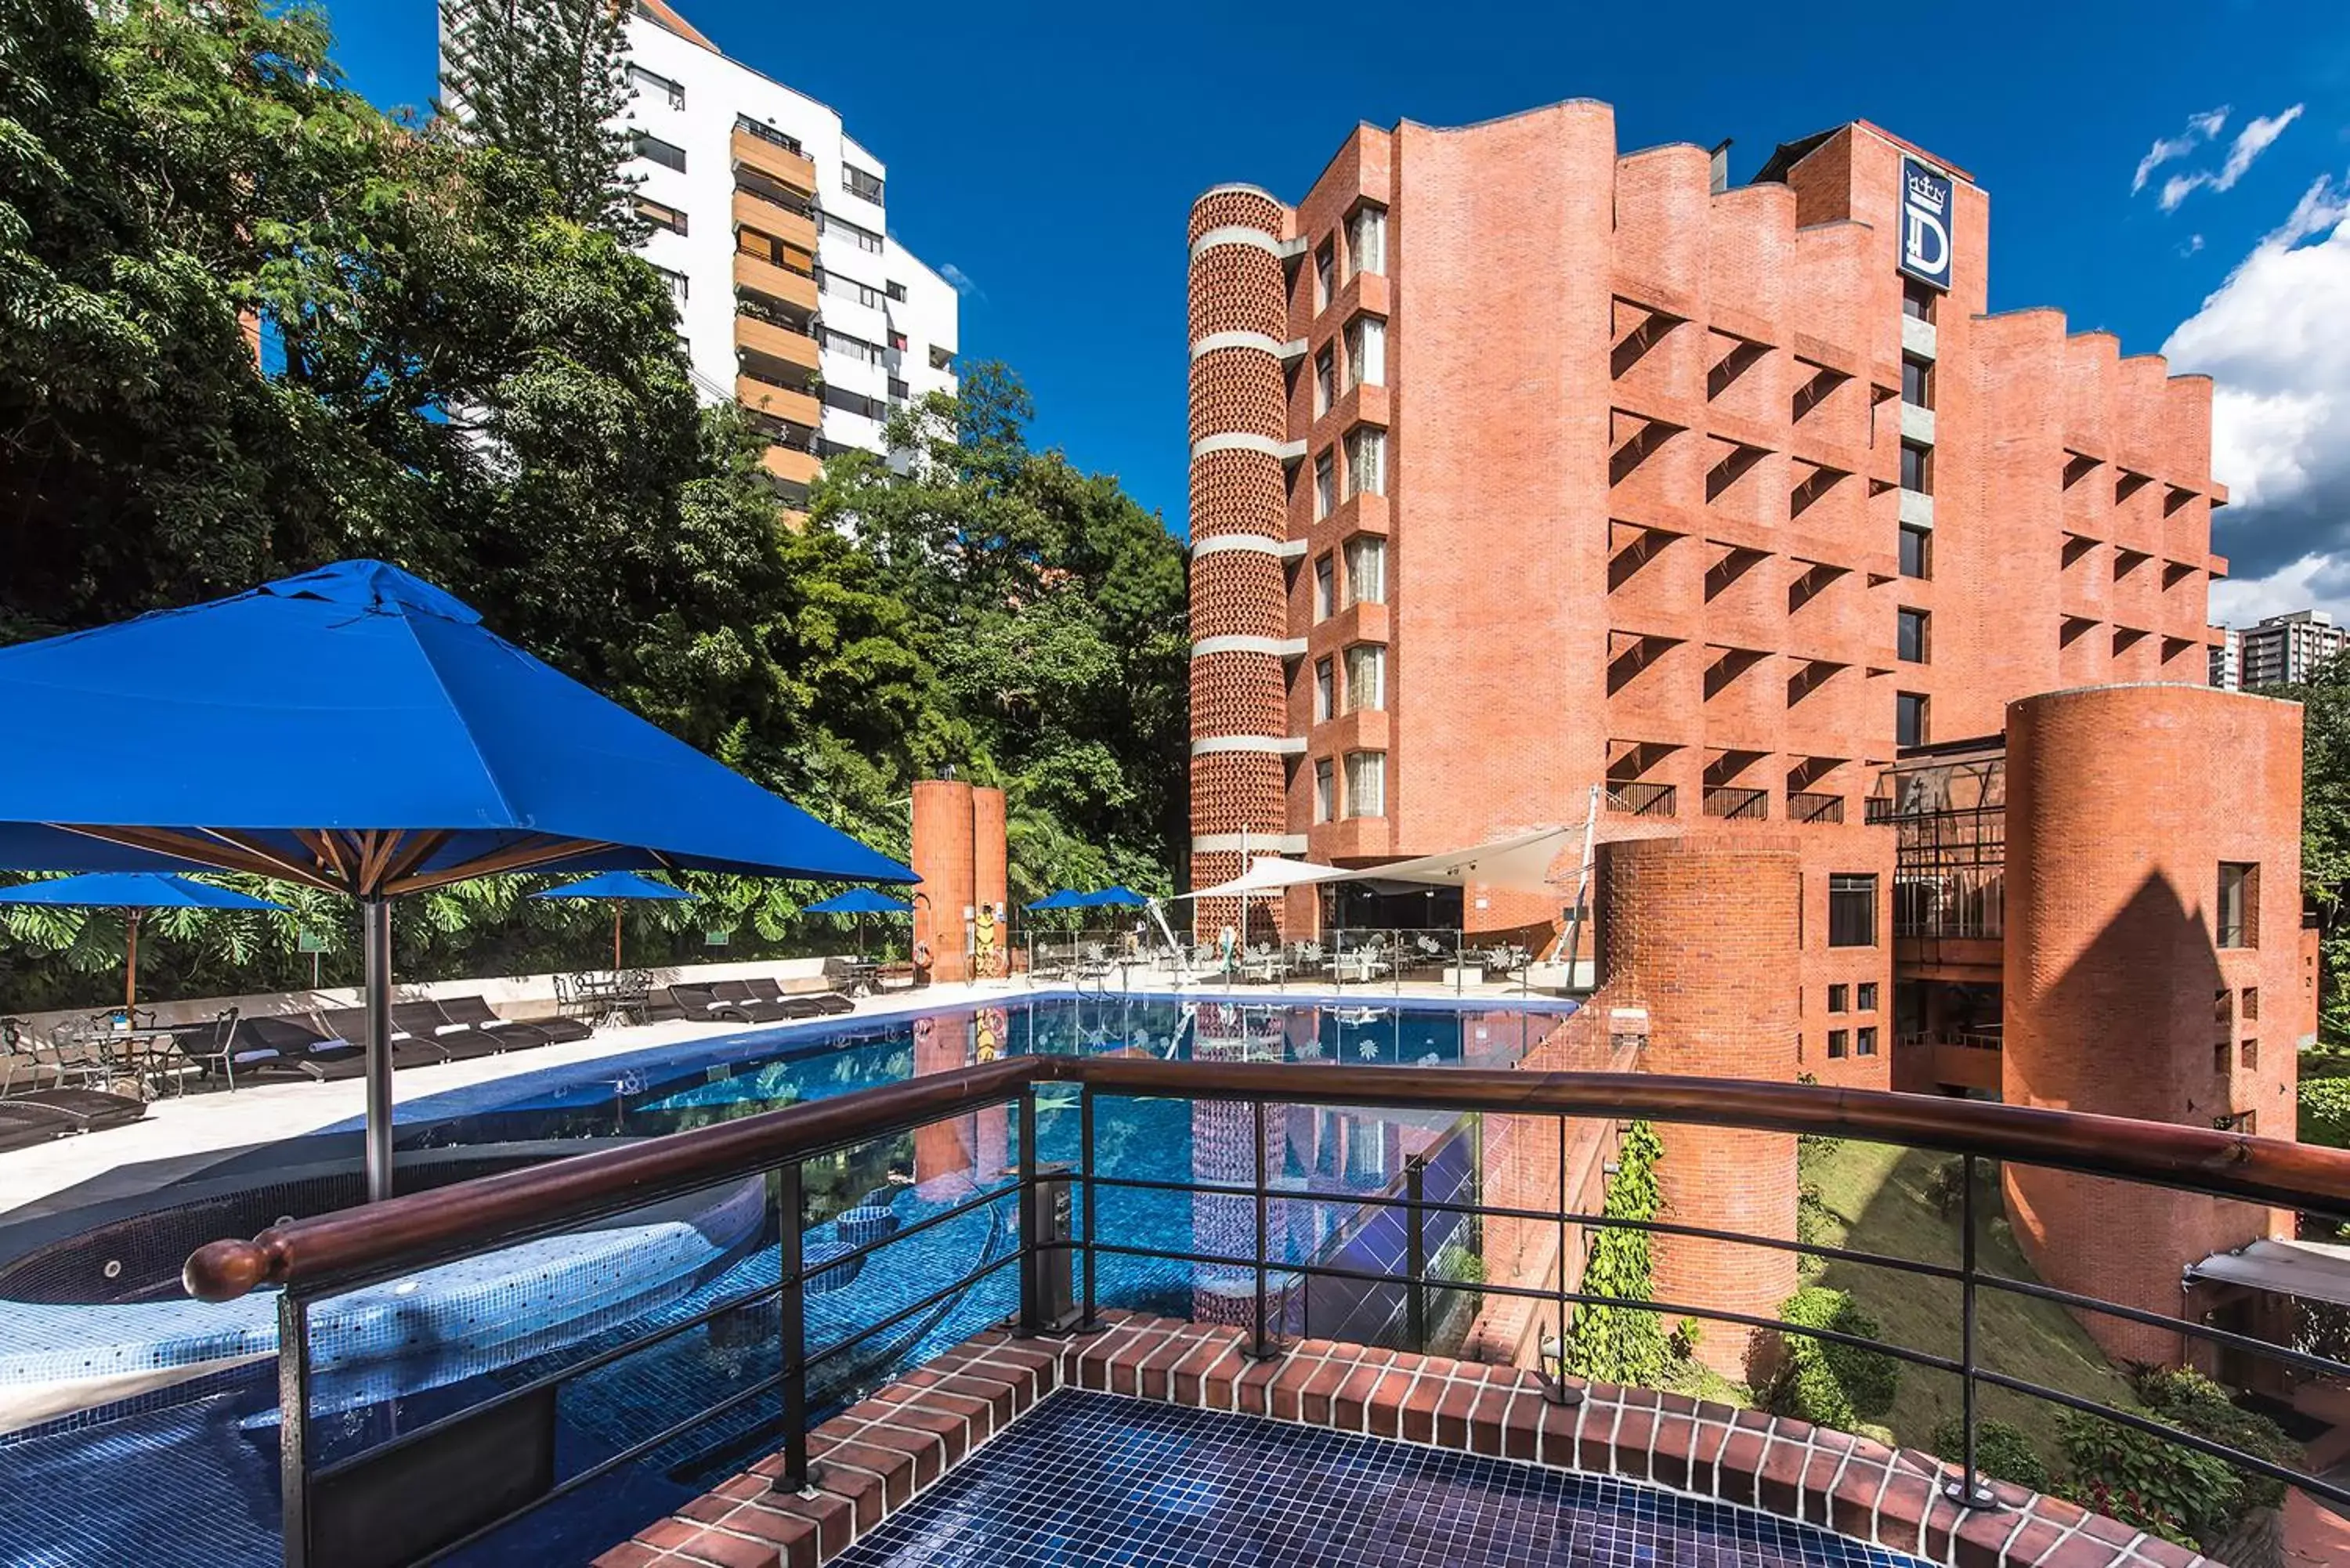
<point>1826,1382</point>
<point>2002,1451</point>
<point>1622,1343</point>
<point>2146,1480</point>
<point>2193,1402</point>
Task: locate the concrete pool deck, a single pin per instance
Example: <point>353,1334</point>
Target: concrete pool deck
<point>182,1136</point>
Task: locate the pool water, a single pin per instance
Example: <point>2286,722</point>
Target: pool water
<point>203,1453</point>
<point>1094,1481</point>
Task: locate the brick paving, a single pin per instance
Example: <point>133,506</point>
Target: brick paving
<point>874,1458</point>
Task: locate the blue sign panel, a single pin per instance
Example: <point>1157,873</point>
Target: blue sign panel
<point>1925,224</point>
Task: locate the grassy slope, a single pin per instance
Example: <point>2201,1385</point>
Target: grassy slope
<point>1875,1198</point>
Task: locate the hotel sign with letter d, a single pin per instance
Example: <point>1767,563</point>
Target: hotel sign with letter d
<point>1925,224</point>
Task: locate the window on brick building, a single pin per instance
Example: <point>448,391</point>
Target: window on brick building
<point>1864,1041</point>
<point>1863,999</point>
<point>1326,790</point>
<point>1367,571</point>
<point>1917,553</point>
<point>1325,690</point>
<point>1326,588</point>
<point>1325,274</point>
<point>2219,1014</point>
<point>1918,301</point>
<point>1367,676</point>
<point>1325,485</point>
<point>1367,784</point>
<point>1909,719</point>
<point>1367,240</point>
<point>2248,1055</point>
<point>2251,1008</point>
<point>2239,901</point>
<point>1917,383</point>
<point>1839,1045</point>
<point>1839,998</point>
<point>2220,1053</point>
<point>1910,640</point>
<point>1367,352</point>
<point>1917,468</point>
<point>1367,462</point>
<point>1325,383</point>
<point>1852,909</point>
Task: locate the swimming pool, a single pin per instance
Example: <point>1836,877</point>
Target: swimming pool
<point>203,1448</point>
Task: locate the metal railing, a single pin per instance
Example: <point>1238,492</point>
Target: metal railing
<point>1736,803</point>
<point>1373,960</point>
<point>1635,797</point>
<point>336,1511</point>
<point>1811,806</point>
<point>769,134</point>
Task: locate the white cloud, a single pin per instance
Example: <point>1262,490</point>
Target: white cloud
<point>2272,339</point>
<point>961,280</point>
<point>2201,128</point>
<point>2194,244</point>
<point>2251,142</point>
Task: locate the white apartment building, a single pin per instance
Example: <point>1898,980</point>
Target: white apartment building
<point>2284,648</point>
<point>771,225</point>
<point>2228,660</point>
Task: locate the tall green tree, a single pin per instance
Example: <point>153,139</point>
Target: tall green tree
<point>2325,700</point>
<point>547,81</point>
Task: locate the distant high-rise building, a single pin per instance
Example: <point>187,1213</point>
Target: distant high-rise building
<point>2286,648</point>
<point>768,222</point>
<point>2228,661</point>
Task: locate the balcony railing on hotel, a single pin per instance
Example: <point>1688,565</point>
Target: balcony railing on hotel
<point>1971,1039</point>
<point>1968,904</point>
<point>494,1461</point>
<point>1635,798</point>
<point>1737,804</point>
<point>1807,806</point>
<point>769,134</point>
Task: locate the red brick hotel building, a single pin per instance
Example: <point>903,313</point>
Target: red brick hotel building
<point>1522,464</point>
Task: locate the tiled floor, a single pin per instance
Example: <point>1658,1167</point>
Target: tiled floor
<point>1091,1480</point>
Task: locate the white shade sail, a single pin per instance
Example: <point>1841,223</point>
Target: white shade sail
<point>1521,863</point>
<point>2313,1271</point>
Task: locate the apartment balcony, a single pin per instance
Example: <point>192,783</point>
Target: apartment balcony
<point>1735,804</point>
<point>772,341</point>
<point>768,153</point>
<point>780,283</point>
<point>753,211</point>
<point>1635,797</point>
<point>789,465</point>
<point>1812,806</point>
<point>778,402</point>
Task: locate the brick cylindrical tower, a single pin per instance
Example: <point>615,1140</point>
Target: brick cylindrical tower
<point>1240,723</point>
<point>989,885</point>
<point>943,859</point>
<point>2152,965</point>
<point>1702,932</point>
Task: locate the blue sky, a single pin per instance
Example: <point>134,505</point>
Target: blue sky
<point>1050,154</point>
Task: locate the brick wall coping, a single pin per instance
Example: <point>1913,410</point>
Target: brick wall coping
<point>874,1458</point>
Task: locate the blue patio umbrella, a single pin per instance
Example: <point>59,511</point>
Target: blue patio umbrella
<point>1065,898</point>
<point>136,891</point>
<point>619,888</point>
<point>860,902</point>
<point>358,729</point>
<point>1113,896</point>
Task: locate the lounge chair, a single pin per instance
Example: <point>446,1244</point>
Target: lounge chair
<point>428,1024</point>
<point>39,1103</point>
<point>476,1013</point>
<point>282,1047</point>
<point>801,1004</point>
<point>737,993</point>
<point>701,1003</point>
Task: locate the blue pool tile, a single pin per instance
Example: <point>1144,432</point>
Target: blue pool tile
<point>1094,1481</point>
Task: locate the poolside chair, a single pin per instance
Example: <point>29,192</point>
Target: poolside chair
<point>701,1003</point>
<point>738,994</point>
<point>42,1105</point>
<point>283,1047</point>
<point>521,1033</point>
<point>428,1023</point>
<point>802,1004</point>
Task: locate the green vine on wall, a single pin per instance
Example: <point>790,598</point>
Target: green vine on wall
<point>1622,1343</point>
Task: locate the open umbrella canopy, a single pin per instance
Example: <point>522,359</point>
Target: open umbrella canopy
<point>617,884</point>
<point>1112,897</point>
<point>355,728</point>
<point>131,890</point>
<point>1065,898</point>
<point>860,901</point>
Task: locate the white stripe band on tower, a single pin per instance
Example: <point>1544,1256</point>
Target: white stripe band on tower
<point>1275,745</point>
<point>1263,341</point>
<point>1238,235</point>
<point>1255,543</point>
<point>1241,642</point>
<point>1248,440</point>
<point>1236,843</point>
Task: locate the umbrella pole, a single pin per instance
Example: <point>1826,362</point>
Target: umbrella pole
<point>131,975</point>
<point>616,938</point>
<point>376,912</point>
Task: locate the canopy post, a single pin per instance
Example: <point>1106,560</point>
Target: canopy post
<point>375,910</point>
<point>616,935</point>
<point>130,975</point>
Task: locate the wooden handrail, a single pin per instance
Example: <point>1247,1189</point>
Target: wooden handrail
<point>493,1211</point>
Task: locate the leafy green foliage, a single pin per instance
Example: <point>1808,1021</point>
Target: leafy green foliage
<point>2145,1480</point>
<point>2325,1111</point>
<point>2324,698</point>
<point>2002,1451</point>
<point>1624,1343</point>
<point>1825,1382</point>
<point>546,81</point>
<point>2188,1399</point>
